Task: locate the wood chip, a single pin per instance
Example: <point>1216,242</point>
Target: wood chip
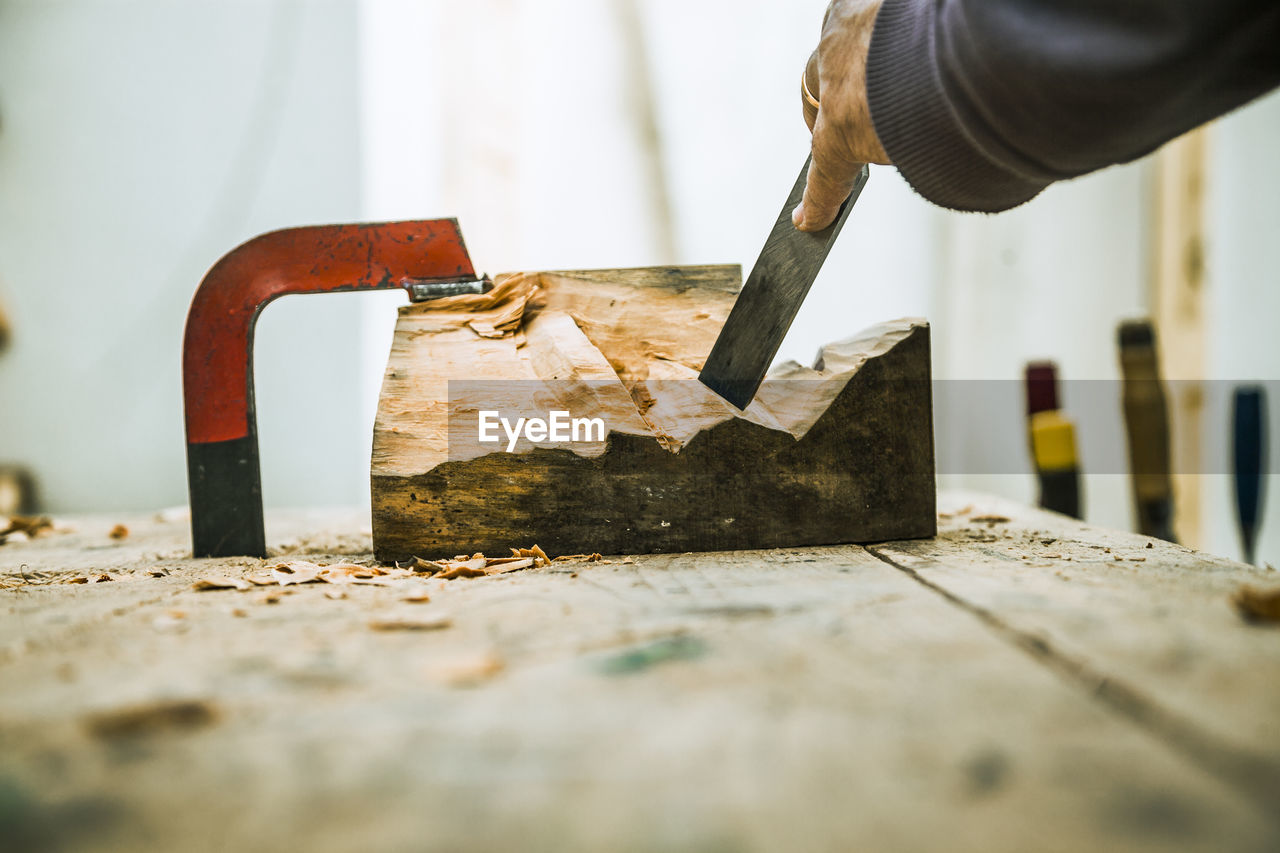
<point>119,532</point>
<point>216,582</point>
<point>29,526</point>
<point>418,596</point>
<point>468,671</point>
<point>511,566</point>
<point>990,520</point>
<point>411,624</point>
<point>429,567</point>
<point>1258,605</point>
<point>297,572</point>
<point>103,578</point>
<point>151,718</point>
<point>583,558</point>
<point>348,573</point>
<point>462,570</point>
<point>540,556</point>
<point>78,580</point>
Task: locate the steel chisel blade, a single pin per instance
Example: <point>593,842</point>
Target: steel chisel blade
<point>770,299</point>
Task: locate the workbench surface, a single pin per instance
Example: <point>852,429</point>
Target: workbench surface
<point>1022,682</point>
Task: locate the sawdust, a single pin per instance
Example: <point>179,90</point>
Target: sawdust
<point>293,573</point>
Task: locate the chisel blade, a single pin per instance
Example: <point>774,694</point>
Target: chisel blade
<point>770,299</point>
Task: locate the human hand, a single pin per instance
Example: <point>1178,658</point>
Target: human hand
<point>843,136</point>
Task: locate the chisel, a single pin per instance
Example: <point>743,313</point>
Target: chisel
<point>771,298</point>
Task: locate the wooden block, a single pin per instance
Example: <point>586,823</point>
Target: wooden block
<point>841,452</point>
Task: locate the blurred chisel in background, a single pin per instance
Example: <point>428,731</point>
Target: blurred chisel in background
<point>1249,430</point>
<point>1053,442</point>
<point>1146,415</point>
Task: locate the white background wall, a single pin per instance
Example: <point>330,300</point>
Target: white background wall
<point>141,140</point>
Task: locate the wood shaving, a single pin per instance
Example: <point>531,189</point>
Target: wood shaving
<point>430,567</point>
<point>78,580</point>
<point>119,532</point>
<point>293,566</point>
<point>468,671</point>
<point>511,565</point>
<point>297,572</point>
<point>19,528</point>
<point>151,718</point>
<point>103,578</point>
<point>539,555</point>
<point>437,623</point>
<point>350,573</point>
<point>418,596</point>
<point>1258,605</point>
<point>216,582</point>
<point>991,520</point>
<point>462,570</point>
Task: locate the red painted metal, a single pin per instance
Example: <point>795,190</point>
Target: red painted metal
<point>217,360</point>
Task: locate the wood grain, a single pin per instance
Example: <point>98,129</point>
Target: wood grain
<point>1146,624</point>
<point>837,453</point>
<point>817,699</point>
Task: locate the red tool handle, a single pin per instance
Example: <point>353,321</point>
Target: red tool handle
<point>217,364</point>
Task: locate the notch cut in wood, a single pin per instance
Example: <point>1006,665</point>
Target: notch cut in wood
<point>835,453</point>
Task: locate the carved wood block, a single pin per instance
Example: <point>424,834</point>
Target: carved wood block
<point>837,453</point>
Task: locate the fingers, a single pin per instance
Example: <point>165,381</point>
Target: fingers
<point>844,136</point>
<point>831,179</point>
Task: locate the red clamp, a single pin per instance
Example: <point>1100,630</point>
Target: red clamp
<point>426,258</point>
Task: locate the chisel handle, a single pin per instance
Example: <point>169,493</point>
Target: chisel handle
<point>1146,414</point>
<point>1249,429</point>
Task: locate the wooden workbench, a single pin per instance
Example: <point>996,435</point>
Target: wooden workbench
<point>1028,684</point>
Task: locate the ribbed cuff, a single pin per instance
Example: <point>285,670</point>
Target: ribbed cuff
<point>918,126</point>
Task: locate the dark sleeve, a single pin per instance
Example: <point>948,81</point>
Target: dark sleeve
<point>981,104</point>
